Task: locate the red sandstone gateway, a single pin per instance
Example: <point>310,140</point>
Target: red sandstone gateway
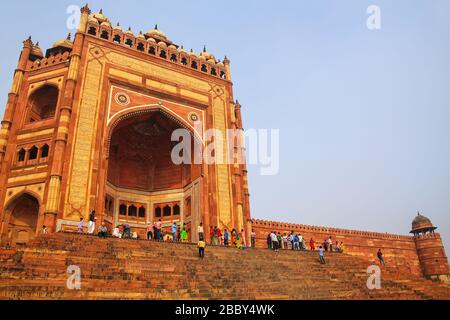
<point>88,127</point>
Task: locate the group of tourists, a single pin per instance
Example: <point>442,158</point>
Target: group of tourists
<point>217,237</point>
<point>294,241</point>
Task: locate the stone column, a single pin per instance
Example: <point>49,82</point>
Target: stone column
<point>54,187</point>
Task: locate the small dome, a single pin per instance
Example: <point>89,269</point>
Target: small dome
<point>37,51</point>
<point>192,53</point>
<point>421,224</point>
<point>106,24</point>
<point>206,55</point>
<point>173,47</point>
<point>93,20</point>
<point>156,33</point>
<point>66,43</point>
<point>151,40</point>
<point>140,36</point>
<point>118,27</point>
<point>212,61</point>
<point>182,50</point>
<point>100,17</point>
<point>129,32</point>
<point>162,44</point>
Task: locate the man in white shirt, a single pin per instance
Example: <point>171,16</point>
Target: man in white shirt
<point>274,238</point>
<point>300,240</point>
<point>201,232</point>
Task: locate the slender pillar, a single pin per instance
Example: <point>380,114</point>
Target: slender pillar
<point>54,194</point>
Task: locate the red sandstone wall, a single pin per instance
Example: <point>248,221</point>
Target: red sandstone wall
<point>398,250</point>
<point>432,254</point>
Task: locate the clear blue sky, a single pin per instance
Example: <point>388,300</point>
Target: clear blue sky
<point>364,115</point>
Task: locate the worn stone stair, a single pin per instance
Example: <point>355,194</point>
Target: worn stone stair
<point>139,269</point>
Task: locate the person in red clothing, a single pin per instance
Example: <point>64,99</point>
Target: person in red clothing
<point>312,244</point>
<point>219,234</point>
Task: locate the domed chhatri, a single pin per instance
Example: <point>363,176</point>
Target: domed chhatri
<point>422,224</point>
<point>156,33</point>
<point>66,43</point>
<point>100,17</point>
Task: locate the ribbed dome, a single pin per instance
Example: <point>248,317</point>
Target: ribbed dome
<point>157,33</point>
<point>37,51</point>
<point>66,43</point>
<point>100,17</point>
<point>422,223</point>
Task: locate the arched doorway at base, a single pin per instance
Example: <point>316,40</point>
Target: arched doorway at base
<point>22,220</point>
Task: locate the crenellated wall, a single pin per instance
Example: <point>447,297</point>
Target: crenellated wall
<point>397,249</point>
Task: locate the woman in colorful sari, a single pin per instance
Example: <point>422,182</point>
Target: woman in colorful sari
<point>233,237</point>
<point>184,235</point>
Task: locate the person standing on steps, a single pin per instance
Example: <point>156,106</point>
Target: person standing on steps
<point>321,257</point>
<point>201,232</point>
<point>80,226</point>
<point>220,236</point>
<point>253,238</point>
<point>91,225</point>
<point>269,241</point>
<point>312,244</point>
<point>159,235</point>
<point>201,248</point>
<point>149,232</point>
<point>174,232</point>
<point>274,239</point>
<point>243,239</point>
<point>381,258</point>
<point>292,239</point>
<point>184,234</point>
<point>330,244</point>
<point>103,231</point>
<point>226,237</point>
<point>44,230</point>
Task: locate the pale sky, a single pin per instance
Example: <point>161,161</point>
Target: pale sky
<point>363,115</point>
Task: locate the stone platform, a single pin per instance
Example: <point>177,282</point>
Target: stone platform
<point>139,269</point>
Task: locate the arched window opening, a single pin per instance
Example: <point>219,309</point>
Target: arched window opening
<point>223,75</point>
<point>184,61</point>
<point>141,212</point>
<point>129,42</point>
<point>92,31</point>
<point>204,68</point>
<point>117,39</point>
<point>123,210</point>
<point>176,210</point>
<point>132,211</point>
<point>194,65</point>
<point>163,54</point>
<point>21,155</point>
<point>44,151</point>
<point>104,35</point>
<point>152,50</point>
<point>173,58</point>
<point>158,212</point>
<point>42,103</point>
<point>167,211</point>
<point>140,46</point>
<point>214,72</point>
<point>33,153</point>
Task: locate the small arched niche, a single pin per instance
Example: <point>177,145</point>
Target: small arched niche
<point>42,103</point>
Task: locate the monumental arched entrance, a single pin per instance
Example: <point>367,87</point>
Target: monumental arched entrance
<point>143,184</point>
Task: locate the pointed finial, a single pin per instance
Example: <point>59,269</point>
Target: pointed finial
<point>86,9</point>
<point>101,11</point>
<point>204,48</point>
<point>28,42</point>
<point>129,28</point>
<point>118,24</point>
<point>37,44</point>
<point>69,36</point>
<point>156,27</point>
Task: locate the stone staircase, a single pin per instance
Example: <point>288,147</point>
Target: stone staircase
<point>139,269</point>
